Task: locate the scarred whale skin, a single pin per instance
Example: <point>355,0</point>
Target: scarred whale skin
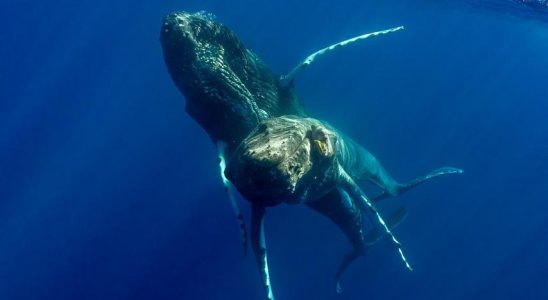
<point>228,89</point>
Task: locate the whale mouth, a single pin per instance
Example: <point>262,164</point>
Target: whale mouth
<point>280,161</point>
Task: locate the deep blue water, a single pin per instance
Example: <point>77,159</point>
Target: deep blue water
<point>108,190</point>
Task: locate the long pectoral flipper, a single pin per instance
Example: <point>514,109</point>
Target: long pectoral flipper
<point>259,247</point>
<point>308,60</point>
<point>392,221</point>
<point>413,183</point>
<point>340,208</point>
<point>354,191</point>
<point>372,237</point>
<point>230,191</point>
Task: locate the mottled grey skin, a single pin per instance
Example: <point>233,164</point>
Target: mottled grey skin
<point>229,92</point>
<point>285,159</point>
<point>228,89</point>
<point>292,159</point>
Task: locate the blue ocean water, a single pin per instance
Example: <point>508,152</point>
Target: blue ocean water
<point>108,190</point>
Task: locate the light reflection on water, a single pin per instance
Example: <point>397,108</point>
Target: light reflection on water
<point>537,9</point>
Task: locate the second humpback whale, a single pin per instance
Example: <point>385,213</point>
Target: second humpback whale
<point>294,160</point>
<point>235,98</point>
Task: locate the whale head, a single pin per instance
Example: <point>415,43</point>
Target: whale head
<point>223,82</point>
<point>207,63</point>
<point>284,159</point>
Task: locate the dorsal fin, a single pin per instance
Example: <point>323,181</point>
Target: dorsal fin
<point>286,79</point>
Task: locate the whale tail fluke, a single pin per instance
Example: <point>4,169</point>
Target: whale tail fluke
<point>413,183</point>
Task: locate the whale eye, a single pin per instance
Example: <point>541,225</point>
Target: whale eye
<point>320,146</point>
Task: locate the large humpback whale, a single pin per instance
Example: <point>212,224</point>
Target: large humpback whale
<point>295,160</point>
<point>236,99</point>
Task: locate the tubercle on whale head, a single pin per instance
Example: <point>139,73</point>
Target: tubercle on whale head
<point>198,52</point>
<point>223,81</point>
<point>284,160</point>
<point>258,167</point>
<point>189,39</point>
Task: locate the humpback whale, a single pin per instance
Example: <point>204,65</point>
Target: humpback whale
<point>294,160</point>
<point>269,148</point>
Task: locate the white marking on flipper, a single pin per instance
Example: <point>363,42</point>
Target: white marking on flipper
<point>354,190</point>
<point>393,220</point>
<point>259,247</point>
<point>221,146</point>
<point>369,240</point>
<point>310,59</point>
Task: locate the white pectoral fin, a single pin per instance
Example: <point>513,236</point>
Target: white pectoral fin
<point>232,198</point>
<point>392,221</point>
<point>310,59</point>
<point>368,208</point>
<point>371,238</point>
<point>259,247</point>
